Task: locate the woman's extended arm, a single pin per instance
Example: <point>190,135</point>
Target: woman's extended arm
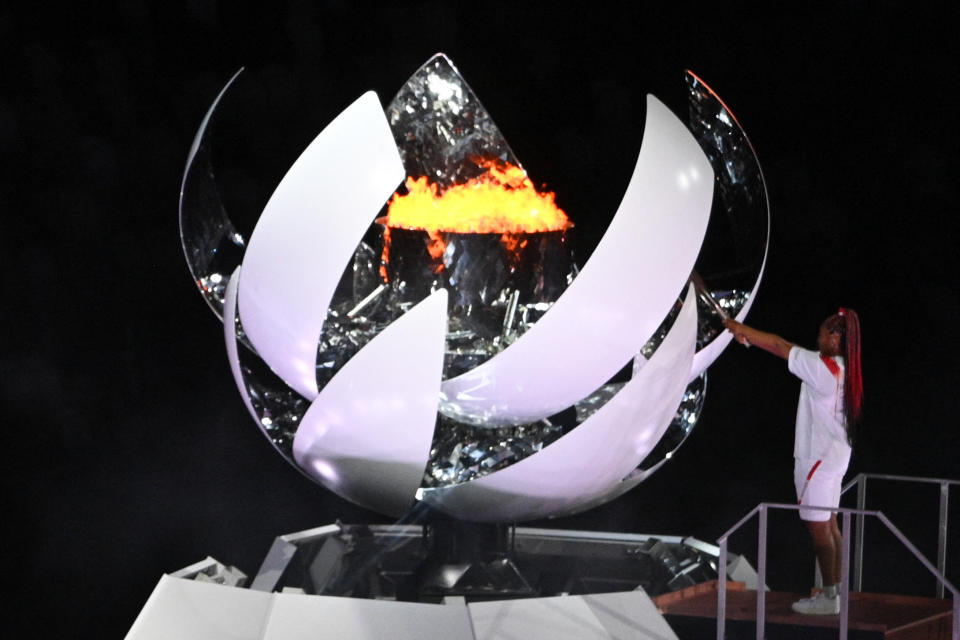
<point>766,341</point>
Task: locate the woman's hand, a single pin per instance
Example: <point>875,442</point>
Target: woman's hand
<point>737,329</point>
<point>748,336</point>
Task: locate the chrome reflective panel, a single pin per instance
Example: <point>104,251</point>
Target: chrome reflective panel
<point>212,246</point>
<point>734,251</point>
<point>462,452</point>
<point>496,292</point>
<point>277,408</point>
<point>691,406</point>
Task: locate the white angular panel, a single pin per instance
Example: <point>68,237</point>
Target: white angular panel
<point>601,616</point>
<point>630,614</point>
<point>367,435</point>
<point>307,234</point>
<point>582,465</point>
<point>180,609</point>
<point>555,618</point>
<point>309,617</point>
<point>190,610</point>
<point>621,296</point>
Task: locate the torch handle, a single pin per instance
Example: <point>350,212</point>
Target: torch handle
<point>701,289</point>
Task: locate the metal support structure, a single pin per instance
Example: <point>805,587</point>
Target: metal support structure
<point>942,537</point>
<point>845,577</point>
<point>762,572</point>
<point>860,480</point>
<point>936,572</point>
<point>861,521</point>
<point>722,590</point>
<point>763,508</point>
<point>956,618</point>
<point>722,570</point>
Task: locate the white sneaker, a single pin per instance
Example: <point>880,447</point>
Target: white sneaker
<point>819,605</point>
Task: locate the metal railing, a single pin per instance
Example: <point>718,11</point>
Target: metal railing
<point>860,481</point>
<point>762,510</point>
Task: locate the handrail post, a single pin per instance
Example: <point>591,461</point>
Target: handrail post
<point>942,537</point>
<point>762,572</point>
<point>722,591</point>
<point>845,578</point>
<point>956,617</point>
<point>861,521</point>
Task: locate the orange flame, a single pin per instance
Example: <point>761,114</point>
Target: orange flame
<point>502,200</point>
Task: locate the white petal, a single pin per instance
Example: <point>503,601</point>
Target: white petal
<point>583,465</point>
<point>307,234</point>
<point>619,298</point>
<point>367,435</point>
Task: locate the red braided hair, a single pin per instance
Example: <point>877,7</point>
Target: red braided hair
<point>847,324</point>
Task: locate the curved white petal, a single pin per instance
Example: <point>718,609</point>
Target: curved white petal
<point>233,347</point>
<point>367,435</point>
<point>233,355</point>
<point>582,465</point>
<point>619,298</point>
<point>307,234</point>
<point>634,478</point>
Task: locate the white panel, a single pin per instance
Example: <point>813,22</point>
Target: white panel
<point>282,551</point>
<point>630,614</point>
<point>367,435</point>
<point>619,298</point>
<point>582,465</point>
<point>307,234</point>
<point>189,610</point>
<point>306,617</point>
<point>233,347</point>
<point>557,618</point>
<point>634,478</point>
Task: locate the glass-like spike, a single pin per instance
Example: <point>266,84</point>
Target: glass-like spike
<point>439,125</point>
<point>498,290</point>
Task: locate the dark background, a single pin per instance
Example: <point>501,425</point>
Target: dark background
<point>127,451</point>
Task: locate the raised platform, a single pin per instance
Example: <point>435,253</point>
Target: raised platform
<point>692,613</point>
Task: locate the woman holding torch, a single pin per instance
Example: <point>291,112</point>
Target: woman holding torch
<point>828,414</point>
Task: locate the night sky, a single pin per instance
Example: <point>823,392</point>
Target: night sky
<point>127,449</point>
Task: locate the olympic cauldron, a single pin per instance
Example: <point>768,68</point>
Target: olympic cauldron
<point>452,354</point>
